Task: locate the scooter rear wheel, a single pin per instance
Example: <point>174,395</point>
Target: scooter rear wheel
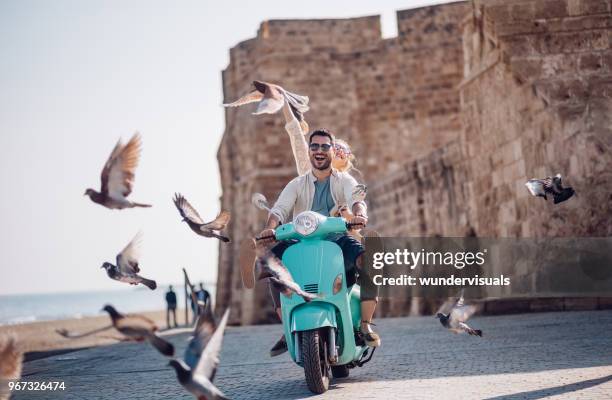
<point>314,358</point>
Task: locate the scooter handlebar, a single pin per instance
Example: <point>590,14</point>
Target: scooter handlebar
<point>265,237</point>
<point>350,225</point>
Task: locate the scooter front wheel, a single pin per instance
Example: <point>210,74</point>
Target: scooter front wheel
<point>314,359</point>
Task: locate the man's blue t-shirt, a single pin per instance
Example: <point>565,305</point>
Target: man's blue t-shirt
<point>323,201</point>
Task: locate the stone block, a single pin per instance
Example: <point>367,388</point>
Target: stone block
<point>547,9</point>
<point>582,7</point>
<point>580,303</point>
<point>546,304</point>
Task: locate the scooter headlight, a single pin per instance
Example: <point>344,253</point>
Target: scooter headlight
<point>337,286</point>
<point>306,223</point>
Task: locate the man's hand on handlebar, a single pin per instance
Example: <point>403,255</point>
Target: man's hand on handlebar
<point>266,236</point>
<point>358,222</point>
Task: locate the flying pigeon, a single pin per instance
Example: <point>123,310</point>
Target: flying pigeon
<point>195,222</point>
<point>118,176</point>
<point>260,201</point>
<point>359,192</point>
<point>11,359</point>
<point>550,185</point>
<point>271,98</point>
<point>267,265</point>
<point>139,328</point>
<point>127,267</point>
<point>205,326</point>
<point>456,319</point>
<point>197,372</point>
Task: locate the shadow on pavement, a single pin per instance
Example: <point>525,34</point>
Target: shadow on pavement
<point>553,391</point>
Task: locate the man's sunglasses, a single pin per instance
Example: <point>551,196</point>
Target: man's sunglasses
<point>324,147</point>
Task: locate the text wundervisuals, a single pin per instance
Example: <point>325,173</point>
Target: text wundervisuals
<point>413,259</point>
<point>406,280</point>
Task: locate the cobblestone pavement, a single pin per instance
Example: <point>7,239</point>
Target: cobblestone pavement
<point>531,356</point>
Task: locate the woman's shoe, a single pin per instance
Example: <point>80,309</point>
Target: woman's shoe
<point>371,338</point>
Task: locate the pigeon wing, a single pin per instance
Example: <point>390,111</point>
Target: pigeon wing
<point>297,102</point>
<point>12,358</point>
<point>136,322</point>
<point>446,307</point>
<point>252,97</point>
<point>187,211</point>
<point>118,173</point>
<point>461,314</point>
<point>460,301</point>
<point>282,277</point>
<point>205,327</point>
<point>127,260</point>
<point>359,192</point>
<point>220,222</point>
<point>273,100</point>
<point>208,362</point>
<point>535,187</point>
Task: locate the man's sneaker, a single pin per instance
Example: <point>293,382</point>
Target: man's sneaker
<point>247,263</point>
<point>371,338</point>
<point>279,348</point>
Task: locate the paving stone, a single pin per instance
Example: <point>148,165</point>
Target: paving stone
<point>565,355</point>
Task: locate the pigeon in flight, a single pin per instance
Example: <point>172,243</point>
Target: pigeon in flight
<point>139,328</point>
<point>267,265</point>
<point>197,372</point>
<point>195,222</point>
<point>127,267</point>
<point>359,192</point>
<point>260,201</point>
<point>456,319</point>
<point>271,98</point>
<point>11,359</point>
<point>118,176</point>
<point>550,185</point>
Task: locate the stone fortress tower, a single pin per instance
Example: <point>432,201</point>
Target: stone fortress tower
<point>447,121</point>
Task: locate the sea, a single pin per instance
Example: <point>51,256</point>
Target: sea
<point>25,308</point>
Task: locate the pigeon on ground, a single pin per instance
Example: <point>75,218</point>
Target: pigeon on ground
<point>271,98</point>
<point>195,222</point>
<point>118,176</point>
<point>267,265</point>
<point>127,267</point>
<point>11,359</point>
<point>139,328</point>
<point>550,185</point>
<point>456,319</point>
<point>197,372</point>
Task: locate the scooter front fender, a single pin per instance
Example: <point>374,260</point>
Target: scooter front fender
<point>313,315</point>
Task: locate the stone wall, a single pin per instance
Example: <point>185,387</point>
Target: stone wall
<point>447,121</point>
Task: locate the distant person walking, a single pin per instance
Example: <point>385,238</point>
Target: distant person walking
<point>202,296</point>
<point>171,306</point>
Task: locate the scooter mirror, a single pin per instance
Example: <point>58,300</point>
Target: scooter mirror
<point>359,192</point>
<point>260,201</point>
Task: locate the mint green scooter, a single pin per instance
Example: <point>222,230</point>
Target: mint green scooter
<point>323,334</point>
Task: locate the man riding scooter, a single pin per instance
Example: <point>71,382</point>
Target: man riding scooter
<point>320,190</point>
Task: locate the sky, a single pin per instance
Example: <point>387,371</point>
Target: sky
<point>75,76</point>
